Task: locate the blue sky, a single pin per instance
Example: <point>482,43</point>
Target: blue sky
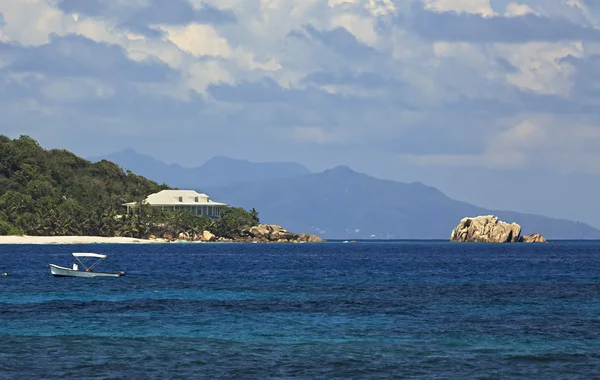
<point>495,102</point>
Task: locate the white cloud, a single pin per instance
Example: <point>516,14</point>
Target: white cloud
<point>198,40</point>
<point>30,22</point>
<point>539,66</point>
<point>201,74</point>
<point>362,28</point>
<point>516,9</point>
<point>482,7</point>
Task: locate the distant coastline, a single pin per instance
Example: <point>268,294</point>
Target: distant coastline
<point>12,239</point>
<point>27,239</point>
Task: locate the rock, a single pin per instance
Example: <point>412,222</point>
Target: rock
<point>208,236</point>
<point>184,236</point>
<point>533,238</point>
<point>264,233</point>
<point>282,235</point>
<point>269,232</point>
<point>485,229</point>
<point>260,231</point>
<point>304,237</point>
<point>151,237</point>
<point>274,228</point>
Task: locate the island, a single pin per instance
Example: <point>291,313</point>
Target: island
<point>54,196</point>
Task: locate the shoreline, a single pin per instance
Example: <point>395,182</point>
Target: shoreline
<point>74,240</point>
<point>26,239</point>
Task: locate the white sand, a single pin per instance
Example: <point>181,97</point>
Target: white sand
<point>74,240</point>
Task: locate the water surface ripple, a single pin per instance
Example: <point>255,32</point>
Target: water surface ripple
<point>336,311</point>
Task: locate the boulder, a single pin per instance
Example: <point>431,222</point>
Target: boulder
<point>184,236</point>
<point>274,228</point>
<point>260,231</point>
<point>533,238</point>
<point>282,235</point>
<point>309,238</point>
<point>485,229</point>
<point>208,236</point>
<point>314,239</point>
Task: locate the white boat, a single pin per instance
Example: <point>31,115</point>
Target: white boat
<point>82,258</point>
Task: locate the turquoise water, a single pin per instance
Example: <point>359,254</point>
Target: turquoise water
<point>363,310</point>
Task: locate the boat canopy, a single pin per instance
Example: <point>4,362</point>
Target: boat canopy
<point>96,255</point>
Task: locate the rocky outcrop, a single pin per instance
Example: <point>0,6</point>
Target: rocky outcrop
<point>485,229</point>
<point>263,233</point>
<point>533,238</point>
<point>274,233</point>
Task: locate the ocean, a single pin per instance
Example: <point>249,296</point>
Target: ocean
<point>365,310</point>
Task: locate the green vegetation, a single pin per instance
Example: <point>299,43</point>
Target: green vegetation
<point>56,193</point>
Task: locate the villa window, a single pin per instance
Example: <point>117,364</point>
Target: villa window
<point>196,199</point>
<point>180,199</point>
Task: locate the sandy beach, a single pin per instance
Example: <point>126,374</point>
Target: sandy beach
<point>75,240</point>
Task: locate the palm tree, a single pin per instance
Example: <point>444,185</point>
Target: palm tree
<point>254,215</point>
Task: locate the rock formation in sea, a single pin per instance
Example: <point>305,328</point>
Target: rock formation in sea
<point>533,238</point>
<point>485,229</point>
<point>274,233</point>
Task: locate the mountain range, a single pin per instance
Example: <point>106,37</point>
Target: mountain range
<point>338,203</point>
<point>217,171</point>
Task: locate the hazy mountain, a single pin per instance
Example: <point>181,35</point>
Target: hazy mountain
<point>341,203</point>
<point>337,203</point>
<point>224,170</point>
<point>215,172</point>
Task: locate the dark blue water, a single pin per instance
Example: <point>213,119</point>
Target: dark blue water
<point>336,311</point>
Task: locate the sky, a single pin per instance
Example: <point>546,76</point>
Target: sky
<point>494,102</point>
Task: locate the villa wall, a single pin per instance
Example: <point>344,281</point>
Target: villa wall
<point>210,211</point>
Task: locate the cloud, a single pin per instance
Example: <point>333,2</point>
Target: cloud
<point>338,40</point>
<point>477,28</point>
<point>77,56</point>
<point>586,81</point>
<point>141,16</point>
<point>365,80</point>
<point>389,87</point>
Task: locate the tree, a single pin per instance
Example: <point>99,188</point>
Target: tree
<point>254,215</point>
<point>8,229</point>
<point>55,192</point>
<point>233,221</point>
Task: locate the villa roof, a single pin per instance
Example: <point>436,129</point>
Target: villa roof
<point>179,197</point>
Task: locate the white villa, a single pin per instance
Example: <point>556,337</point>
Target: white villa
<point>172,200</point>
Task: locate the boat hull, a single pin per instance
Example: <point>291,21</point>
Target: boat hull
<point>58,271</point>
